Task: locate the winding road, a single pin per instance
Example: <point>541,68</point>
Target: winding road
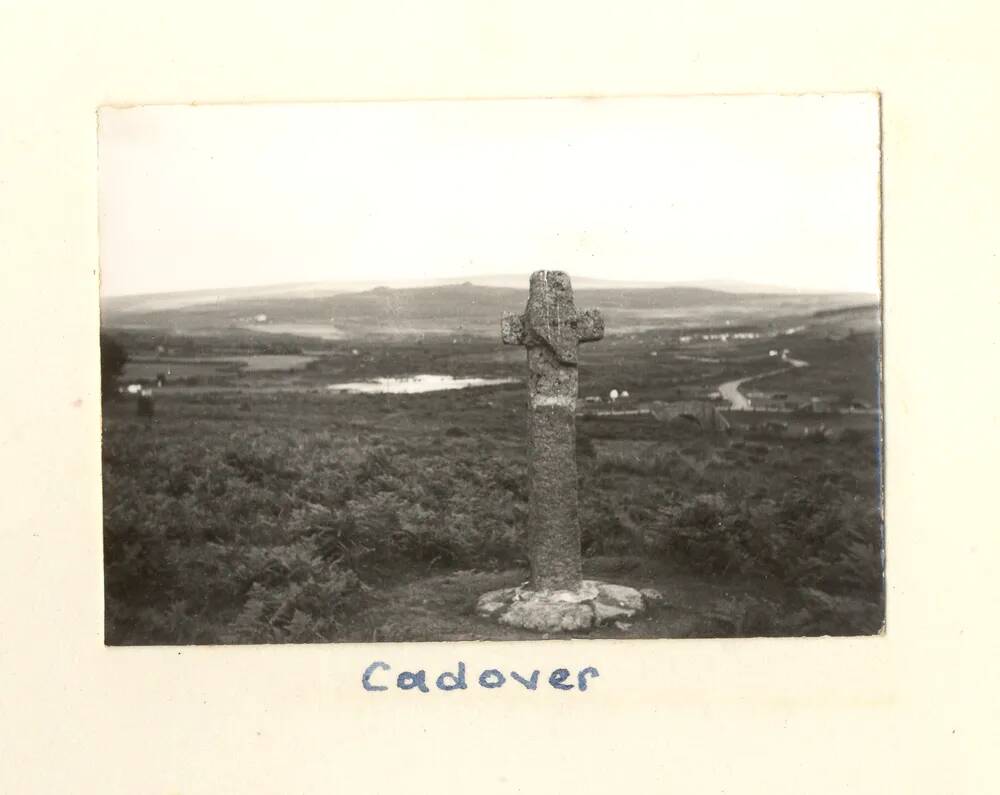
<point>730,390</point>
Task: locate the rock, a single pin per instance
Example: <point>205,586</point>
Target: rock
<point>651,596</point>
<point>551,329</point>
<point>587,592</point>
<point>491,603</point>
<point>544,615</point>
<point>558,599</point>
<point>489,609</point>
<point>620,596</point>
<point>605,613</point>
<point>566,610</point>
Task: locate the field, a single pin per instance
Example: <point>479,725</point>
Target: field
<point>257,506</point>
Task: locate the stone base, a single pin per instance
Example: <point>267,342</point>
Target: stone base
<point>591,604</point>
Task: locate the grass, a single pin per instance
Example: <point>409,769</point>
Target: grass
<point>833,369</point>
<point>293,515</point>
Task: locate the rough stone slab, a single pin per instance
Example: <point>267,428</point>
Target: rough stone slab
<point>548,616</point>
<point>587,592</point>
<point>592,604</point>
<point>605,613</point>
<point>651,596</point>
<point>492,604</point>
<point>621,596</point>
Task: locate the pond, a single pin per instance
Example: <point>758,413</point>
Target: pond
<point>194,366</point>
<point>415,383</point>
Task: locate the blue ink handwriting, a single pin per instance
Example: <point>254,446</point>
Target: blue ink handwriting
<point>489,679</point>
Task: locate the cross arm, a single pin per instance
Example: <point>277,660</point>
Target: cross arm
<point>590,325</point>
<point>512,328</point>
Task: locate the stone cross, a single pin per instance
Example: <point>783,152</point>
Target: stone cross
<point>551,329</point>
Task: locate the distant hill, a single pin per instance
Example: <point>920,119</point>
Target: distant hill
<point>852,319</point>
<point>341,309</point>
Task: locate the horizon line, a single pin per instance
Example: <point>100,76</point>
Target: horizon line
<point>464,279</point>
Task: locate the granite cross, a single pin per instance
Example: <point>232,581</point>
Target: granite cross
<point>551,329</point>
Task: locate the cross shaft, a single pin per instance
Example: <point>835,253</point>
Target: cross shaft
<point>551,329</point>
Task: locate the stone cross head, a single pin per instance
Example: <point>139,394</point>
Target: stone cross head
<point>551,319</point>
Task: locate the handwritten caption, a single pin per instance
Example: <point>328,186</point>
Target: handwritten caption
<point>378,678</point>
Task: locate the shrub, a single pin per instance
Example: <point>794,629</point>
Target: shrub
<point>803,540</point>
<point>217,530</point>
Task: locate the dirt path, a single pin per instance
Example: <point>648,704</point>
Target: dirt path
<point>730,390</point>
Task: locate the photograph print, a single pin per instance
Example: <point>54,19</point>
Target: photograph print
<point>491,370</point>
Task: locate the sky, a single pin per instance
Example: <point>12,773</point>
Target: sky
<point>765,189</point>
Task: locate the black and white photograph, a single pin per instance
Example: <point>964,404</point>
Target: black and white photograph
<point>491,370</point>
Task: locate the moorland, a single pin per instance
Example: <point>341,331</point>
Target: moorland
<point>258,505</point>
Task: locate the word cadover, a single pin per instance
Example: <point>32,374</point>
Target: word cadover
<point>377,677</point>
